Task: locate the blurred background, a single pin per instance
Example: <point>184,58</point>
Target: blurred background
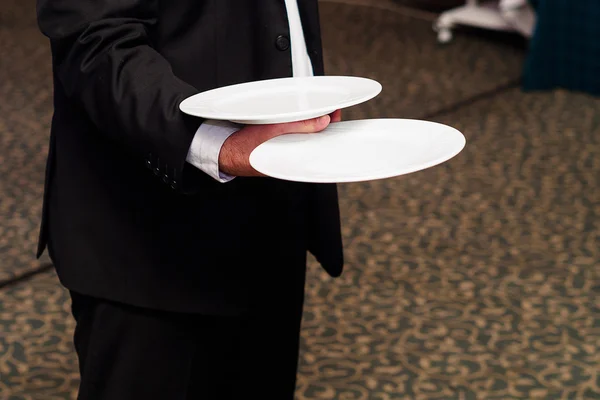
<point>475,279</point>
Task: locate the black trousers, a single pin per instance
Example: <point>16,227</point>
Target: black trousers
<point>128,353</point>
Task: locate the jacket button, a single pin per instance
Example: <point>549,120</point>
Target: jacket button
<point>166,179</point>
<point>282,42</point>
<point>148,164</point>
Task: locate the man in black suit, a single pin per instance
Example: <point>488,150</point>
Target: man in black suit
<point>186,268</point>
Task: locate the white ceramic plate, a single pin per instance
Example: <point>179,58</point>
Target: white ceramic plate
<point>281,100</point>
<point>353,151</point>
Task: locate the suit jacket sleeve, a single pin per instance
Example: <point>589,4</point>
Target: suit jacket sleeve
<point>104,59</point>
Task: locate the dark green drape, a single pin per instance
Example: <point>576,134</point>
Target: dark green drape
<point>565,48</point>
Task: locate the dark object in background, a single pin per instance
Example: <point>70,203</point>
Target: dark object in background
<point>564,50</point>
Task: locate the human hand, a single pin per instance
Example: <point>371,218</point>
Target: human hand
<point>234,158</point>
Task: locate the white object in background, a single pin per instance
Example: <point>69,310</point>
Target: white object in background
<point>485,15</point>
<point>281,100</point>
<point>353,151</point>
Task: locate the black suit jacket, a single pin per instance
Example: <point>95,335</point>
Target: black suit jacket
<point>125,218</point>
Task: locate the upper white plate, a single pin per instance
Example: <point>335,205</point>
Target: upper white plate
<point>353,151</point>
<point>281,100</point>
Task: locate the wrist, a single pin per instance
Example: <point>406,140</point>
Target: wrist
<point>225,159</point>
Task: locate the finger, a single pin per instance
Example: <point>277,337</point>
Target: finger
<point>306,126</point>
<point>336,116</point>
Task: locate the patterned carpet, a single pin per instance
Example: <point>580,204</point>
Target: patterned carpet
<point>476,279</point>
<point>25,113</point>
<point>419,76</point>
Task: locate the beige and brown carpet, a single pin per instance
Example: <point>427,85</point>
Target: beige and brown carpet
<point>25,113</point>
<point>476,279</point>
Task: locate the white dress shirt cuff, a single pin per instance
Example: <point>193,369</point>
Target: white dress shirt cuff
<point>206,146</point>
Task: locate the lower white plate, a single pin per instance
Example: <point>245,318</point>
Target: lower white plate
<point>353,151</point>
